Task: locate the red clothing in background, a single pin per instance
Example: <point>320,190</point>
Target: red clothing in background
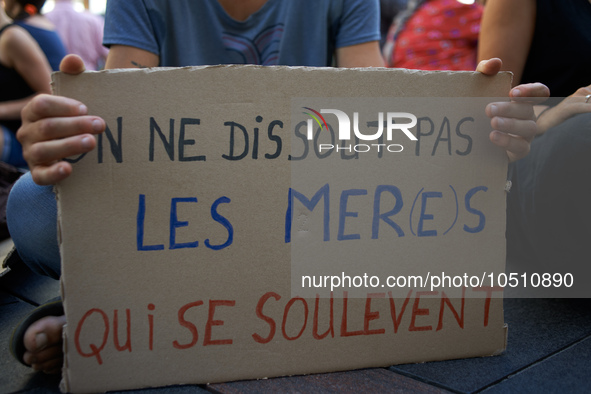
<point>440,35</point>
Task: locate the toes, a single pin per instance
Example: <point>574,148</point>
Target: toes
<point>44,333</point>
<point>48,354</point>
<point>48,360</point>
<point>49,367</point>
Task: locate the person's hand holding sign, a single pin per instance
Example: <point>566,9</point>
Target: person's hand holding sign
<point>57,127</point>
<point>514,122</point>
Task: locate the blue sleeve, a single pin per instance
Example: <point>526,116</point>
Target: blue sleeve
<point>359,23</point>
<point>128,23</point>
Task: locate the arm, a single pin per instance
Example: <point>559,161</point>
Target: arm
<point>360,55</point>
<point>21,52</point>
<point>506,32</point>
<point>122,56</point>
<point>572,105</point>
<point>358,34</point>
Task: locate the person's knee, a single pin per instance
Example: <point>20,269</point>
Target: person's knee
<point>548,200</point>
<point>561,153</point>
<point>31,214</point>
<point>18,194</point>
<point>23,200</point>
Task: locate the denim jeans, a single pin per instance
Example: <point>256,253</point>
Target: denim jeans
<point>31,213</point>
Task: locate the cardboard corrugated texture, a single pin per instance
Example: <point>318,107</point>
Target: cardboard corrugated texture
<point>183,235</point>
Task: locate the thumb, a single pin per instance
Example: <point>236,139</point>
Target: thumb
<point>72,64</point>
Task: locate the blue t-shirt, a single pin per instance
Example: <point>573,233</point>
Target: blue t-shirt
<point>282,32</point>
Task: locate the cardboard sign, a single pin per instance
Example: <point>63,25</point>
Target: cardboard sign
<point>195,237</point>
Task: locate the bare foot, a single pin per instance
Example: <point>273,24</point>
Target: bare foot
<point>43,341</point>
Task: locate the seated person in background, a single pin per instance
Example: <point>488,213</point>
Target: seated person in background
<point>541,40</point>
<point>24,72</point>
<point>548,209</point>
<point>25,13</point>
<point>197,33</point>
<point>434,35</point>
